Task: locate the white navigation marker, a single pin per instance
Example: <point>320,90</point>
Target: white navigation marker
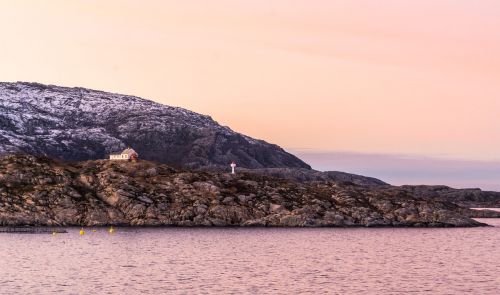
<point>233,165</point>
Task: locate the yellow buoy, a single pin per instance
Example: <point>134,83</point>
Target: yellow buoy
<point>54,233</point>
<point>111,230</point>
<point>82,232</point>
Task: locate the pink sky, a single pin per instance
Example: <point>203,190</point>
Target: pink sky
<point>406,77</point>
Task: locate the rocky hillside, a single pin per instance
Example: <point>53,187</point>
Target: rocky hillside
<point>40,191</point>
<point>80,124</point>
<point>302,175</point>
<point>468,198</point>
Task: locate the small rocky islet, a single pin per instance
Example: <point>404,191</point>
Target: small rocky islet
<point>40,191</point>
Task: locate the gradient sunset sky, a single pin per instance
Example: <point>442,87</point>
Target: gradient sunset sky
<point>405,77</point>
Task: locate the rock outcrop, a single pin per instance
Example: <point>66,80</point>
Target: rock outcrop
<point>467,198</point>
<point>303,175</point>
<point>81,124</point>
<point>482,213</point>
<point>41,191</point>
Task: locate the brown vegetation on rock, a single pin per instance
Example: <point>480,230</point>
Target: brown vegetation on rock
<point>41,191</point>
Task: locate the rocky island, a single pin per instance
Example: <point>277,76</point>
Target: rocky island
<point>52,139</point>
<point>40,191</point>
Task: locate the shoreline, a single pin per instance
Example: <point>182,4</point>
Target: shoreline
<point>44,192</point>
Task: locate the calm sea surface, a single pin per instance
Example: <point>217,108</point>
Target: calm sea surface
<point>256,261</point>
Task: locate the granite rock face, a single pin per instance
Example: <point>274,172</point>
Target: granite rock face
<point>78,124</point>
<point>41,191</point>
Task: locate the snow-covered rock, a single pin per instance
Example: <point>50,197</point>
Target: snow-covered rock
<point>81,124</point>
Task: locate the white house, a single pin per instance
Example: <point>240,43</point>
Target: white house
<point>127,155</point>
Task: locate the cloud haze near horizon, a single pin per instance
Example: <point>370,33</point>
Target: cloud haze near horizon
<point>408,169</point>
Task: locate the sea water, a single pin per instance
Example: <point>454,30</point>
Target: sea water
<point>253,261</point>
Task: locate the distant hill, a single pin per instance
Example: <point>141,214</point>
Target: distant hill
<point>468,198</point>
<point>306,175</point>
<point>81,124</point>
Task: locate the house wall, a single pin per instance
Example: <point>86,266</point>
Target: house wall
<point>119,157</point>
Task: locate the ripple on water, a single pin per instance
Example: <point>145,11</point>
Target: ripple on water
<point>254,261</point>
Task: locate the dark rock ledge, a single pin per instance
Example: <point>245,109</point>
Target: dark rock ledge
<point>43,192</point>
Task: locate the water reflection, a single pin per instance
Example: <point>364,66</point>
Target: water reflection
<point>253,261</point>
